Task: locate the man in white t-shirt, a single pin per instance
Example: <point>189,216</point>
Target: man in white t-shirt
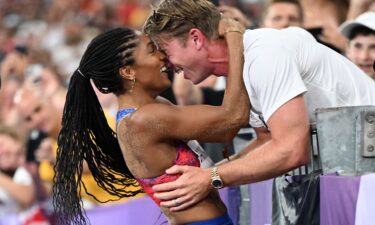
<point>287,75</point>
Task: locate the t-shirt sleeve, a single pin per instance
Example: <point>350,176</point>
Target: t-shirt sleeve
<point>255,120</point>
<point>275,79</point>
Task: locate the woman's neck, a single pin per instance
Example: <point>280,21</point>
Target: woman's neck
<point>134,100</point>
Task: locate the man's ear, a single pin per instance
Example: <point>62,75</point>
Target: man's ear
<point>127,72</point>
<point>196,37</point>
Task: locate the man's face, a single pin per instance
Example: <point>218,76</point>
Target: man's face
<point>361,51</point>
<point>281,15</point>
<point>10,153</point>
<point>193,62</point>
<point>38,113</point>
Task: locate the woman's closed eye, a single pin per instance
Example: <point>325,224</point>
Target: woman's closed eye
<point>152,48</point>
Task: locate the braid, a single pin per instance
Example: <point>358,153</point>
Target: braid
<point>107,58</point>
<point>85,133</point>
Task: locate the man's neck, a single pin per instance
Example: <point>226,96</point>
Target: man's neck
<point>218,56</point>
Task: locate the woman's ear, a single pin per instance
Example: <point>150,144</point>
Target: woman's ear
<point>127,72</point>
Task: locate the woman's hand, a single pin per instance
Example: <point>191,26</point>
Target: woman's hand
<point>235,13</point>
<point>228,24</point>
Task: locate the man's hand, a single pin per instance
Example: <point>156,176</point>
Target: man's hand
<point>192,186</point>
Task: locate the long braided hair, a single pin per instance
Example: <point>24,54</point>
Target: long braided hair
<point>85,134</point>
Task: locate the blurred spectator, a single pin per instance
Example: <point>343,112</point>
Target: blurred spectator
<point>254,10</point>
<point>280,14</point>
<point>235,10</point>
<point>323,18</point>
<point>357,7</point>
<point>6,37</point>
<point>16,185</point>
<point>132,13</point>
<point>372,6</point>
<point>50,82</point>
<point>1,59</point>
<point>8,112</point>
<point>14,64</point>
<point>66,43</point>
<point>39,112</point>
<point>361,46</point>
<point>12,74</point>
<point>12,70</point>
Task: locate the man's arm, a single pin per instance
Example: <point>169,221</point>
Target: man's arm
<point>262,136</point>
<point>287,149</point>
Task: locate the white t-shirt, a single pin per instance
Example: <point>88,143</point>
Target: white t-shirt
<point>8,205</point>
<point>281,64</point>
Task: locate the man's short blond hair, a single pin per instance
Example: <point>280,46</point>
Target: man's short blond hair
<point>175,18</point>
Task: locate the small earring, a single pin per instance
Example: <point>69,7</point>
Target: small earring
<point>132,85</point>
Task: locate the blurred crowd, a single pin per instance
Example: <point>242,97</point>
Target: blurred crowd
<point>41,42</point>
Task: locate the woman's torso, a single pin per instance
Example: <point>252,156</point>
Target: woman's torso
<point>148,159</point>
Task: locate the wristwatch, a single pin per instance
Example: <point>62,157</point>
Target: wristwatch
<point>216,181</point>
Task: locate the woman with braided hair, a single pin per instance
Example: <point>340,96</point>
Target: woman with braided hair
<point>150,131</point>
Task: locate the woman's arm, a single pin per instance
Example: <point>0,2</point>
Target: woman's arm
<point>204,122</point>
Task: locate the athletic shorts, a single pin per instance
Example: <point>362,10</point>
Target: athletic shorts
<point>221,220</point>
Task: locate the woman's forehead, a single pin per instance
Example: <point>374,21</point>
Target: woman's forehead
<point>143,37</point>
<point>143,44</point>
<point>144,41</point>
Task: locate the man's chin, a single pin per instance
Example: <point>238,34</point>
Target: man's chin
<point>192,79</point>
<point>196,80</point>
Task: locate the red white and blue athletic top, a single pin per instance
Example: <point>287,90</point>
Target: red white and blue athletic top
<point>184,156</point>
